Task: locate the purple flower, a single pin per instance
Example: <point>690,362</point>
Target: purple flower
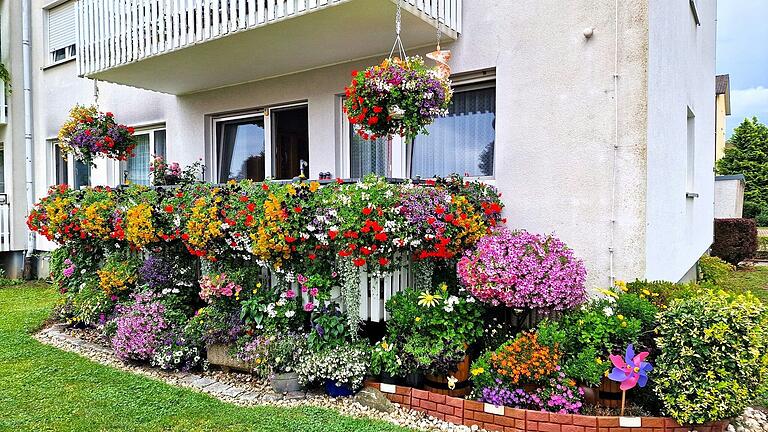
<point>140,328</point>
<point>523,270</point>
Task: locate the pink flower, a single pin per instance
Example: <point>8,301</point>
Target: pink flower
<point>304,288</point>
<point>313,292</point>
<point>309,307</point>
<point>290,294</point>
<point>301,279</point>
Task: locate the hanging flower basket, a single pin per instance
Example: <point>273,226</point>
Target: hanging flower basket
<point>398,97</point>
<point>88,134</point>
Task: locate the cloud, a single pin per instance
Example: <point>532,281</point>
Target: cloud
<point>748,103</point>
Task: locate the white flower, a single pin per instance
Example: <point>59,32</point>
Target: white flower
<point>608,311</point>
<point>470,300</point>
<point>290,313</point>
<point>448,308</point>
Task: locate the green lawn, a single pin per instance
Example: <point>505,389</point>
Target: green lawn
<point>45,389</point>
<point>753,279</point>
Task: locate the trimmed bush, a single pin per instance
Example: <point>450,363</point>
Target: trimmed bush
<point>713,356</point>
<point>713,269</point>
<point>735,239</point>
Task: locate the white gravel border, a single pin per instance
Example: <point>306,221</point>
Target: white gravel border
<point>225,391</point>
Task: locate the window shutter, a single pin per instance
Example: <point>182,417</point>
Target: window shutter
<point>61,26</point>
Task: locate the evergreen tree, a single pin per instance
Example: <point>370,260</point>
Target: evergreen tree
<point>747,153</point>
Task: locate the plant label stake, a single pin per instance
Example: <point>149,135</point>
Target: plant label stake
<point>630,371</point>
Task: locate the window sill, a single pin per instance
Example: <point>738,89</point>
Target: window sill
<point>58,63</point>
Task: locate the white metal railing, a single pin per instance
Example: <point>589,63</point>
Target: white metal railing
<point>5,227</point>
<point>375,290</point>
<point>111,33</point>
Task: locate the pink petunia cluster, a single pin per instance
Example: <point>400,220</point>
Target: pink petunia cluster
<point>217,286</point>
<point>524,271</point>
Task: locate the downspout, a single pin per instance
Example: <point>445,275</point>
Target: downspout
<point>26,42</point>
<point>611,245</point>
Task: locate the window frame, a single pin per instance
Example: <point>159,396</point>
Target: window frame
<point>52,166</point>
<point>212,156</point>
<point>122,166</point>
<point>401,150</point>
<point>49,55</point>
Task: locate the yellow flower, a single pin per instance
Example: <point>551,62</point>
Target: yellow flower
<point>646,292</point>
<point>444,287</point>
<point>623,323</point>
<point>477,371</point>
<point>418,319</point>
<point>428,299</point>
<point>599,360</point>
<point>621,285</point>
<point>620,316</point>
<point>608,293</point>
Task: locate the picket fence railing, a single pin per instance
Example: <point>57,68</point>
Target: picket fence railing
<point>111,33</point>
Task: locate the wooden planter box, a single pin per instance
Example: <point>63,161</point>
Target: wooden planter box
<point>218,355</point>
<point>505,419</point>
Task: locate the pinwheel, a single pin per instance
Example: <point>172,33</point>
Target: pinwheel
<point>630,371</point>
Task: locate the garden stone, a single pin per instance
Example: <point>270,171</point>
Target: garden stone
<point>295,395</point>
<point>218,388</point>
<point>373,398</point>
<point>233,392</point>
<point>202,382</point>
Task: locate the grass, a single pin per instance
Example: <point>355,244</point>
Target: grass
<point>45,389</point>
<point>754,279</point>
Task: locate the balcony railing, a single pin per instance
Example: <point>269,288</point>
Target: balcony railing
<point>113,33</point>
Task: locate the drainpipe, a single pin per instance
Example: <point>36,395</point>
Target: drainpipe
<point>26,42</point>
<point>612,245</point>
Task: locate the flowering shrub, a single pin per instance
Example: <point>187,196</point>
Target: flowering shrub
<point>254,351</point>
<point>141,327</point>
<point>118,274</point>
<point>397,97</point>
<point>176,353</point>
<point>168,174</point>
<point>88,134</point>
<point>713,356</point>
<point>524,271</point>
<point>218,286</point>
<point>344,365</point>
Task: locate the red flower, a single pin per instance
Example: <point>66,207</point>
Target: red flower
<point>339,180</point>
<point>185,236</point>
<point>378,109</point>
<point>297,209</point>
<point>290,239</point>
<point>367,211</point>
<point>383,261</point>
<point>439,210</point>
<point>312,256</point>
<point>243,198</point>
<point>373,120</point>
<point>381,237</point>
<point>264,186</point>
<point>431,220</point>
<point>249,220</point>
<point>251,207</point>
<point>359,262</point>
<point>131,130</point>
<point>449,217</point>
<point>169,208</point>
<point>354,73</point>
<point>332,234</point>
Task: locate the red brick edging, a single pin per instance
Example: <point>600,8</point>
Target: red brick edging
<point>505,419</point>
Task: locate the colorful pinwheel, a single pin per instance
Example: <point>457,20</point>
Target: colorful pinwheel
<point>631,370</point>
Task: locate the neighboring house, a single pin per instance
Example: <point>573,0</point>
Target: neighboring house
<point>722,110</point>
<point>594,119</point>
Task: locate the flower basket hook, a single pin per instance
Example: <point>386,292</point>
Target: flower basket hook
<point>398,45</point>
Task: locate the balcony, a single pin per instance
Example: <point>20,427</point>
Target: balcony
<point>187,46</point>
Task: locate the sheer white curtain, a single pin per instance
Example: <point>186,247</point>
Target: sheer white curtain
<point>367,157</point>
<point>138,165</point>
<point>462,142</point>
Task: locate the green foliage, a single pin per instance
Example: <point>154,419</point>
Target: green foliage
<point>46,389</point>
<point>5,76</point>
<point>747,154</point>
<point>285,352</point>
<point>713,356</point>
<point>586,366</point>
<point>762,217</point>
<point>329,329</point>
<point>713,269</point>
<point>384,358</point>
<point>762,244</point>
<point>661,293</point>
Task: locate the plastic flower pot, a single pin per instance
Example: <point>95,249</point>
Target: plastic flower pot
<point>285,382</point>
<point>388,378</point>
<point>335,391</point>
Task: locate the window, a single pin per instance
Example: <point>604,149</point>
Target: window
<point>690,153</point>
<point>61,32</point>
<point>462,142</point>
<point>258,146</point>
<point>367,157</point>
<point>65,167</point>
<point>149,143</point>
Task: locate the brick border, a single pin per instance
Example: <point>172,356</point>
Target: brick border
<point>506,419</point>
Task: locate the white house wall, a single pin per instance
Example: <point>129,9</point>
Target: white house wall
<point>681,74</point>
<point>555,134</point>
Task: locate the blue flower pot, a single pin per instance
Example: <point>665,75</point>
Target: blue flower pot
<point>334,391</point>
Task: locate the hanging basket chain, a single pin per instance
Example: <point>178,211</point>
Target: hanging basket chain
<point>398,41</point>
<point>96,93</point>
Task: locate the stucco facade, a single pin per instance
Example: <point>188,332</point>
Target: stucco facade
<point>590,131</point>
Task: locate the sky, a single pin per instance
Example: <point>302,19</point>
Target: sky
<point>742,52</point>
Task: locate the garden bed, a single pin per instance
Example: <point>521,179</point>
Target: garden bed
<point>505,419</point>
